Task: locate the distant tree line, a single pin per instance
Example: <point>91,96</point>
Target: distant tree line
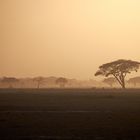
<point>45,82</point>
<point>61,82</point>
<point>115,73</point>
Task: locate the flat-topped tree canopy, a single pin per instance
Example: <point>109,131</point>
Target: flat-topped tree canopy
<point>61,81</point>
<point>119,69</point>
<point>9,79</point>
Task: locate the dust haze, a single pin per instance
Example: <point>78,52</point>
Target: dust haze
<point>66,38</point>
<point>70,69</point>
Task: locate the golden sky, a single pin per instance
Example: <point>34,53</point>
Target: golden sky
<point>68,38</point>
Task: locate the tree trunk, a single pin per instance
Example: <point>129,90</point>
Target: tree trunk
<point>123,83</point>
<point>38,85</point>
<point>121,80</point>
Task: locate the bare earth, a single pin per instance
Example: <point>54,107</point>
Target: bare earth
<point>55,114</point>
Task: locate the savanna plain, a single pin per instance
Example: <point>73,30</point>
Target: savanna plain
<point>81,114</point>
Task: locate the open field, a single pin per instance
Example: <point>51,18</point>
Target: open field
<point>51,114</point>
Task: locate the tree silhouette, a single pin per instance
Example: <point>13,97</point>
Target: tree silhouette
<point>134,81</point>
<point>39,81</point>
<point>119,69</point>
<point>62,82</point>
<point>110,81</point>
<point>10,81</point>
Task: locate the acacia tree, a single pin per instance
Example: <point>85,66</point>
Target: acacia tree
<point>110,81</point>
<point>10,81</point>
<point>119,69</point>
<point>39,81</point>
<point>61,81</point>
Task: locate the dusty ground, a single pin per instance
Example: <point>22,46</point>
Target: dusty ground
<point>69,114</point>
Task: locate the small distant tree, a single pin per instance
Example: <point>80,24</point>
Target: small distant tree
<point>10,81</point>
<point>110,81</point>
<point>39,80</point>
<point>61,82</point>
<point>134,81</point>
<point>119,69</point>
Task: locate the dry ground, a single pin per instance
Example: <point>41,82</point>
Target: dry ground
<point>51,114</point>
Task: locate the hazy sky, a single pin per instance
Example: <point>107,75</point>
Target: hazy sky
<point>66,37</point>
